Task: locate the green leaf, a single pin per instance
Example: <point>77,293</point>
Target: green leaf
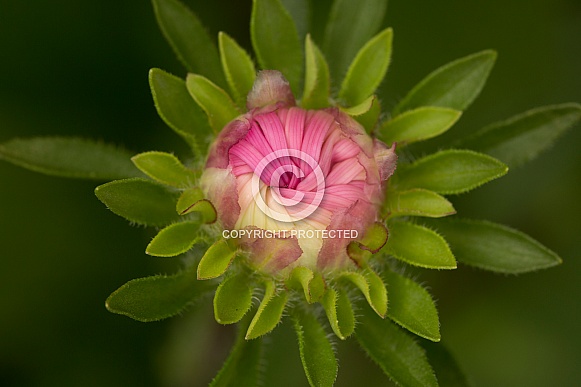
<point>178,110</point>
<point>370,118</point>
<point>189,39</point>
<point>411,306</point>
<point>233,299</point>
<point>418,202</point>
<point>140,201</point>
<point>496,247</point>
<point>275,40</point>
<point>372,287</point>
<point>361,109</point>
<point>165,168</point>
<point>447,370</point>
<point>216,102</point>
<point>158,297</point>
<point>300,13</point>
<point>69,157</point>
<point>419,246</point>
<point>339,312</point>
<point>269,312</point>
<point>316,352</point>
<point>216,260</point>
<point>398,355</point>
<point>243,365</point>
<point>317,82</point>
<point>454,85</point>
<point>451,172</point>
<point>312,284</point>
<point>351,24</point>
<point>238,67</point>
<point>522,137</point>
<point>368,69</point>
<point>418,124</point>
<point>174,240</point>
<point>192,200</point>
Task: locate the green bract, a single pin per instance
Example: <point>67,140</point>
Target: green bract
<point>372,302</point>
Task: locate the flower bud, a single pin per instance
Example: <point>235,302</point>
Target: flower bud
<point>297,185</point>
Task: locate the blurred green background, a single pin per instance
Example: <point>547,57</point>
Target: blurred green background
<point>80,68</point>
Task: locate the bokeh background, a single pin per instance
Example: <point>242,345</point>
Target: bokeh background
<point>80,68</point>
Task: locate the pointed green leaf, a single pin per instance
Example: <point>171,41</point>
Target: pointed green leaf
<point>69,157</point>
<point>419,246</point>
<point>447,369</point>
<point>398,355</point>
<point>418,202</point>
<point>412,307</point>
<point>238,67</point>
<point>216,102</point>
<point>522,137</point>
<point>316,352</point>
<point>165,168</point>
<point>372,287</point>
<point>269,312</point>
<point>370,118</point>
<point>174,240</point>
<point>216,260</point>
<point>454,85</point>
<point>312,284</point>
<point>158,297</point>
<point>192,200</point>
<point>233,299</point>
<point>140,201</point>
<point>300,12</point>
<point>339,312</point>
<point>350,25</point>
<point>275,40</point>
<point>450,172</point>
<point>368,69</point>
<point>418,124</point>
<point>361,109</point>
<point>189,39</point>
<point>243,365</point>
<point>317,82</point>
<point>178,110</point>
<point>496,247</point>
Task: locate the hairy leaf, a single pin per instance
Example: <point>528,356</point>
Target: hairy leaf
<point>419,246</point>
<point>189,39</point>
<point>317,355</point>
<point>522,137</point>
<point>238,67</point>
<point>351,24</point>
<point>69,157</point>
<point>454,85</point>
<point>140,201</point>
<point>368,69</point>
<point>174,240</point>
<point>215,101</point>
<point>450,172</point>
<point>398,355</point>
<point>275,40</point>
<point>178,110</point>
<point>495,247</point>
<point>411,306</point>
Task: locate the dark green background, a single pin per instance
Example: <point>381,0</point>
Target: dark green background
<point>80,68</point>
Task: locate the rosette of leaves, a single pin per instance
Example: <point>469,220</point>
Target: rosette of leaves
<point>344,70</point>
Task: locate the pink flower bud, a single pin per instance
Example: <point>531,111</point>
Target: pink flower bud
<point>297,185</point>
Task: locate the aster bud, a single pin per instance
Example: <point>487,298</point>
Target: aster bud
<point>296,185</point>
